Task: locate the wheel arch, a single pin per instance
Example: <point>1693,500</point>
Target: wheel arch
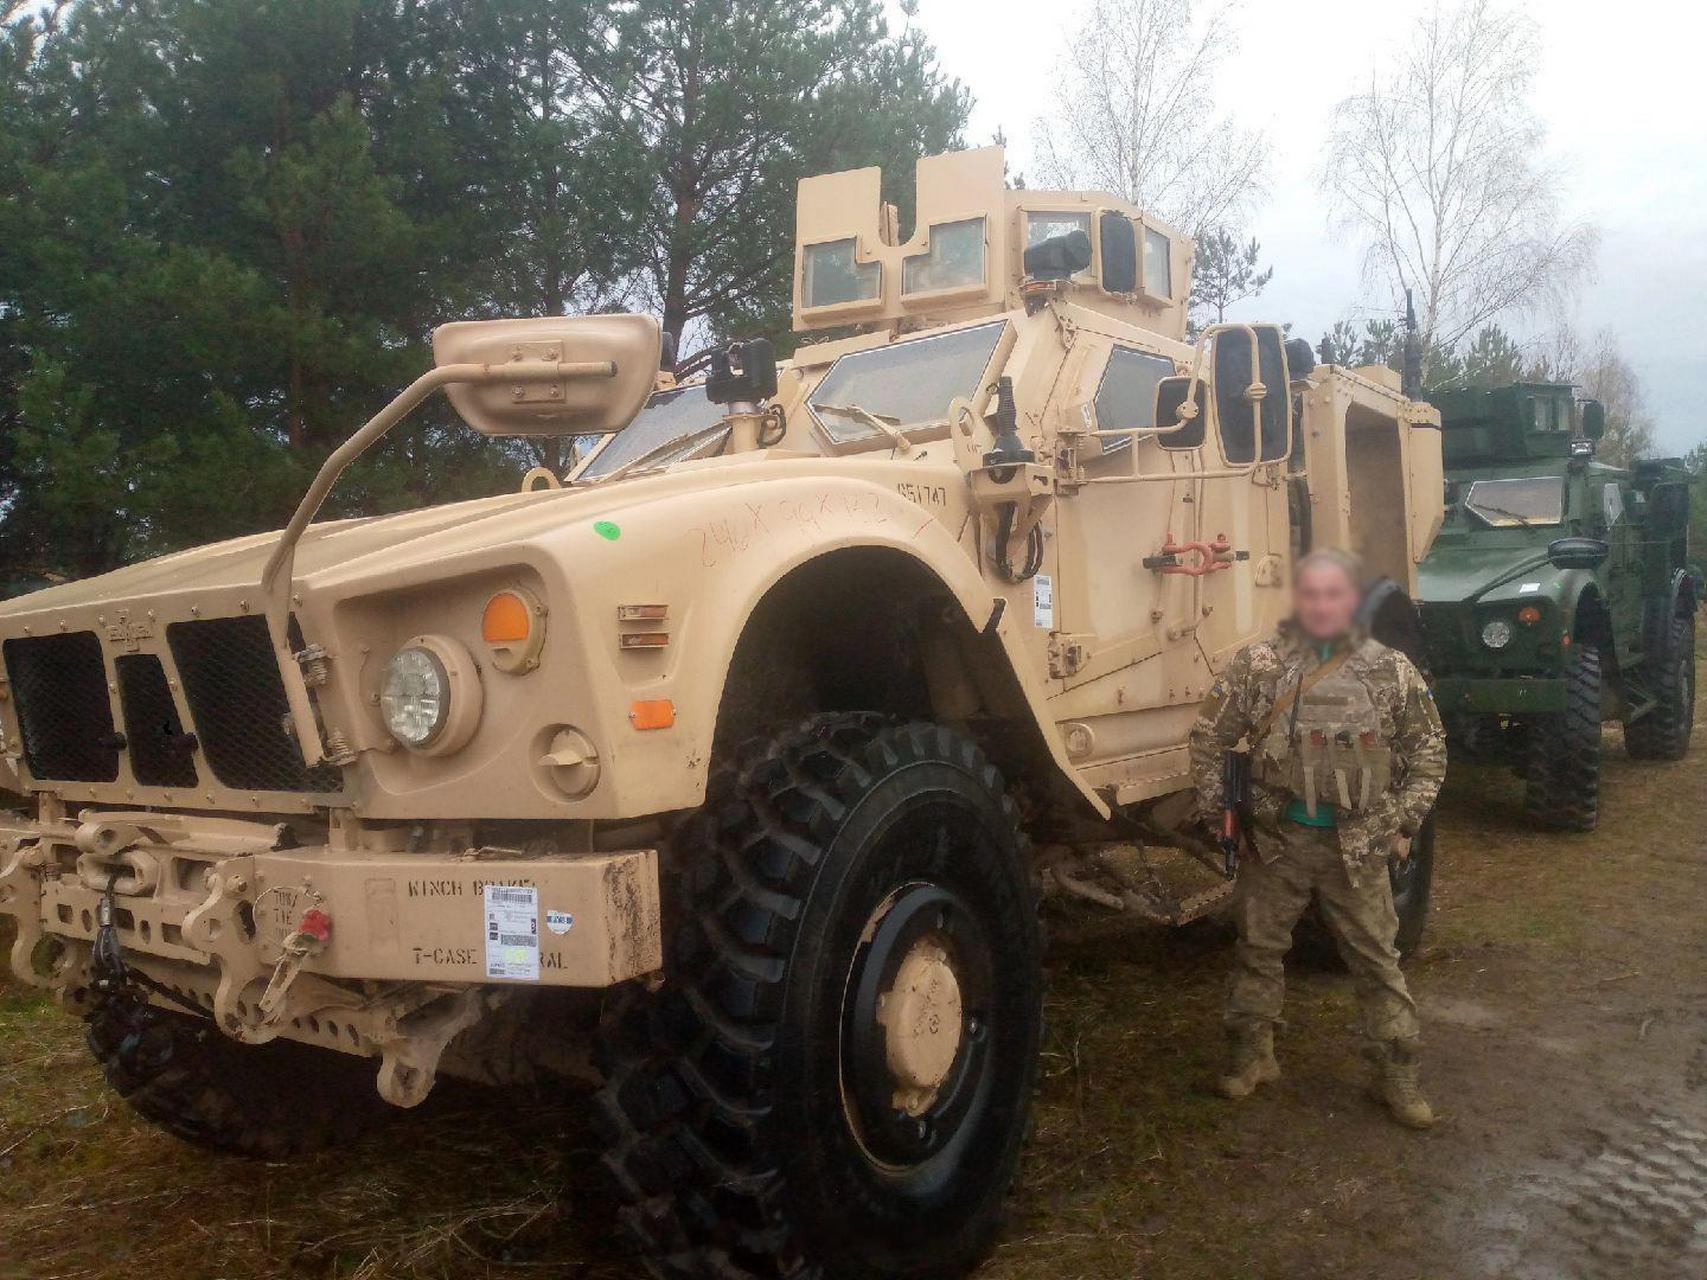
<point>1390,614</point>
<point>872,626</point>
<point>1587,618</point>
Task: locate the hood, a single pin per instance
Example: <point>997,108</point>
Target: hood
<point>1462,573</point>
<point>386,543</point>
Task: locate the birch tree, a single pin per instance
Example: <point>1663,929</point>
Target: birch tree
<point>1437,165</point>
<point>1135,115</point>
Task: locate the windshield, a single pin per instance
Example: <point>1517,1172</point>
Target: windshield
<point>668,415</point>
<point>909,383</point>
<point>1509,504</point>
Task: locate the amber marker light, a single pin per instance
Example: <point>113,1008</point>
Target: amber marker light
<point>1529,615</point>
<point>657,713</point>
<point>644,640</point>
<point>513,627</point>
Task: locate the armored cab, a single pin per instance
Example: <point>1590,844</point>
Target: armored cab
<point>1556,596</point>
<point>726,766</point>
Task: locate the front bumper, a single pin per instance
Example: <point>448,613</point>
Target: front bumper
<point>420,945</point>
<point>1499,695</point>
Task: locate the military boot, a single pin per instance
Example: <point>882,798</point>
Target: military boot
<point>1250,1061</point>
<point>1395,1084</point>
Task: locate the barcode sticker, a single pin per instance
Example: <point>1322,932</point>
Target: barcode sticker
<point>512,932</point>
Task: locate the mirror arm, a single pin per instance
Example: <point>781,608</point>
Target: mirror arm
<point>276,577</point>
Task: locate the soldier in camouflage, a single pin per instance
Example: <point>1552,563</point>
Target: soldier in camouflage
<point>1347,754</point>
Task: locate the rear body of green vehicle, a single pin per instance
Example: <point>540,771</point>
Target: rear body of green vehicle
<point>1557,596</point>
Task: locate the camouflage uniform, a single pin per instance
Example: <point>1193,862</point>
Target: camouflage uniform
<point>1344,866</point>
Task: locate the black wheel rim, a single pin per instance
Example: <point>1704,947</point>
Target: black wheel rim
<point>891,1136</point>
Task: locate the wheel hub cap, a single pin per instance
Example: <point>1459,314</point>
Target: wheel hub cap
<point>922,1022</point>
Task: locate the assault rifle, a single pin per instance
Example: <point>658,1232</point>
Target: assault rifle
<point>1235,796</point>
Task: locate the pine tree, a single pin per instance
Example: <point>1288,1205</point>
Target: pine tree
<point>1226,272</point>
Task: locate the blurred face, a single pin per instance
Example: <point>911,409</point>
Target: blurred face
<point>1324,601</point>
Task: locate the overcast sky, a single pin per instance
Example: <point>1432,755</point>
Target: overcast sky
<point>1620,90</point>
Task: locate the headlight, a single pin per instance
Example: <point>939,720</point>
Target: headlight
<point>430,696</point>
<point>416,696</point>
<point>1497,634</point>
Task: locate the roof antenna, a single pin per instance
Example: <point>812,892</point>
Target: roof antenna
<point>1411,376</point>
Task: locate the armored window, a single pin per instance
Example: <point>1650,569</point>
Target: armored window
<point>908,383</point>
<point>1046,226</point>
<point>1264,437</point>
<point>1612,504</point>
<point>1518,504</point>
<point>1126,397</point>
<point>954,259</point>
<point>1158,264</point>
<point>668,415</point>
<point>832,277</point>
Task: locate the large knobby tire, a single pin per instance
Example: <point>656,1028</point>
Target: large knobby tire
<point>1663,732</point>
<point>757,1122</point>
<point>267,1101</point>
<point>1562,775</point>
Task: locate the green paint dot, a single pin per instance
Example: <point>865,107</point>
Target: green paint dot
<point>607,530</point>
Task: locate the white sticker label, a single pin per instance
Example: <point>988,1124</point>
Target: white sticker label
<point>1043,601</point>
<point>1528,587</point>
<point>512,932</point>
<point>559,921</point>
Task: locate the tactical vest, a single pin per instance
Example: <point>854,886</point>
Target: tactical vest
<point>1328,747</point>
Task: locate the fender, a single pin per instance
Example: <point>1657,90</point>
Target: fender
<point>1679,600</point>
<point>711,556</point>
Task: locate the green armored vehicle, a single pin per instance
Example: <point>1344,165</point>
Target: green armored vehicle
<point>1556,596</point>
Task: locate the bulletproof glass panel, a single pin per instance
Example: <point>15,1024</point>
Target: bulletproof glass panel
<point>1119,252</point>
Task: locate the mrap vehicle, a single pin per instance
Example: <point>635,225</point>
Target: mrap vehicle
<point>1557,597</point>
<point>728,768</point>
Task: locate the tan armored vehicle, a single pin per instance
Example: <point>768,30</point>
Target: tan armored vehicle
<point>728,767</point>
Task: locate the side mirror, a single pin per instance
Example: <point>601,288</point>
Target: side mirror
<point>1170,396</point>
<point>1578,553</point>
<point>1594,419</point>
<point>574,404</point>
<point>1260,430</point>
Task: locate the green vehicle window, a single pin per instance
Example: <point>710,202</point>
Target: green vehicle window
<point>1510,504</point>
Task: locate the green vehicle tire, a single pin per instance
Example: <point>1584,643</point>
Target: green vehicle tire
<point>1562,774</point>
<point>1412,882</point>
<point>1663,733</point>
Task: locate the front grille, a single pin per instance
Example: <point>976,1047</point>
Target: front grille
<point>160,750</point>
<point>237,701</point>
<point>64,713</point>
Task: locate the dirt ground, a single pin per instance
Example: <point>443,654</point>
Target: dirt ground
<point>1563,984</point>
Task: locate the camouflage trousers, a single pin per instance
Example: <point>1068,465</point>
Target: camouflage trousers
<point>1359,914</point>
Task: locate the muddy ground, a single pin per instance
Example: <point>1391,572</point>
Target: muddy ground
<point>1563,983</point>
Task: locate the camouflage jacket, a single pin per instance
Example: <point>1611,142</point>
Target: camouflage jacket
<point>1263,672</point>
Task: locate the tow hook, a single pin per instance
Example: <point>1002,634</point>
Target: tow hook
<point>309,939</point>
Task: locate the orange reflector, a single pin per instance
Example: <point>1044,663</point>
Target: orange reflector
<point>657,713</point>
<point>1529,615</point>
<point>644,640</point>
<point>507,619</point>
<point>642,612</point>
